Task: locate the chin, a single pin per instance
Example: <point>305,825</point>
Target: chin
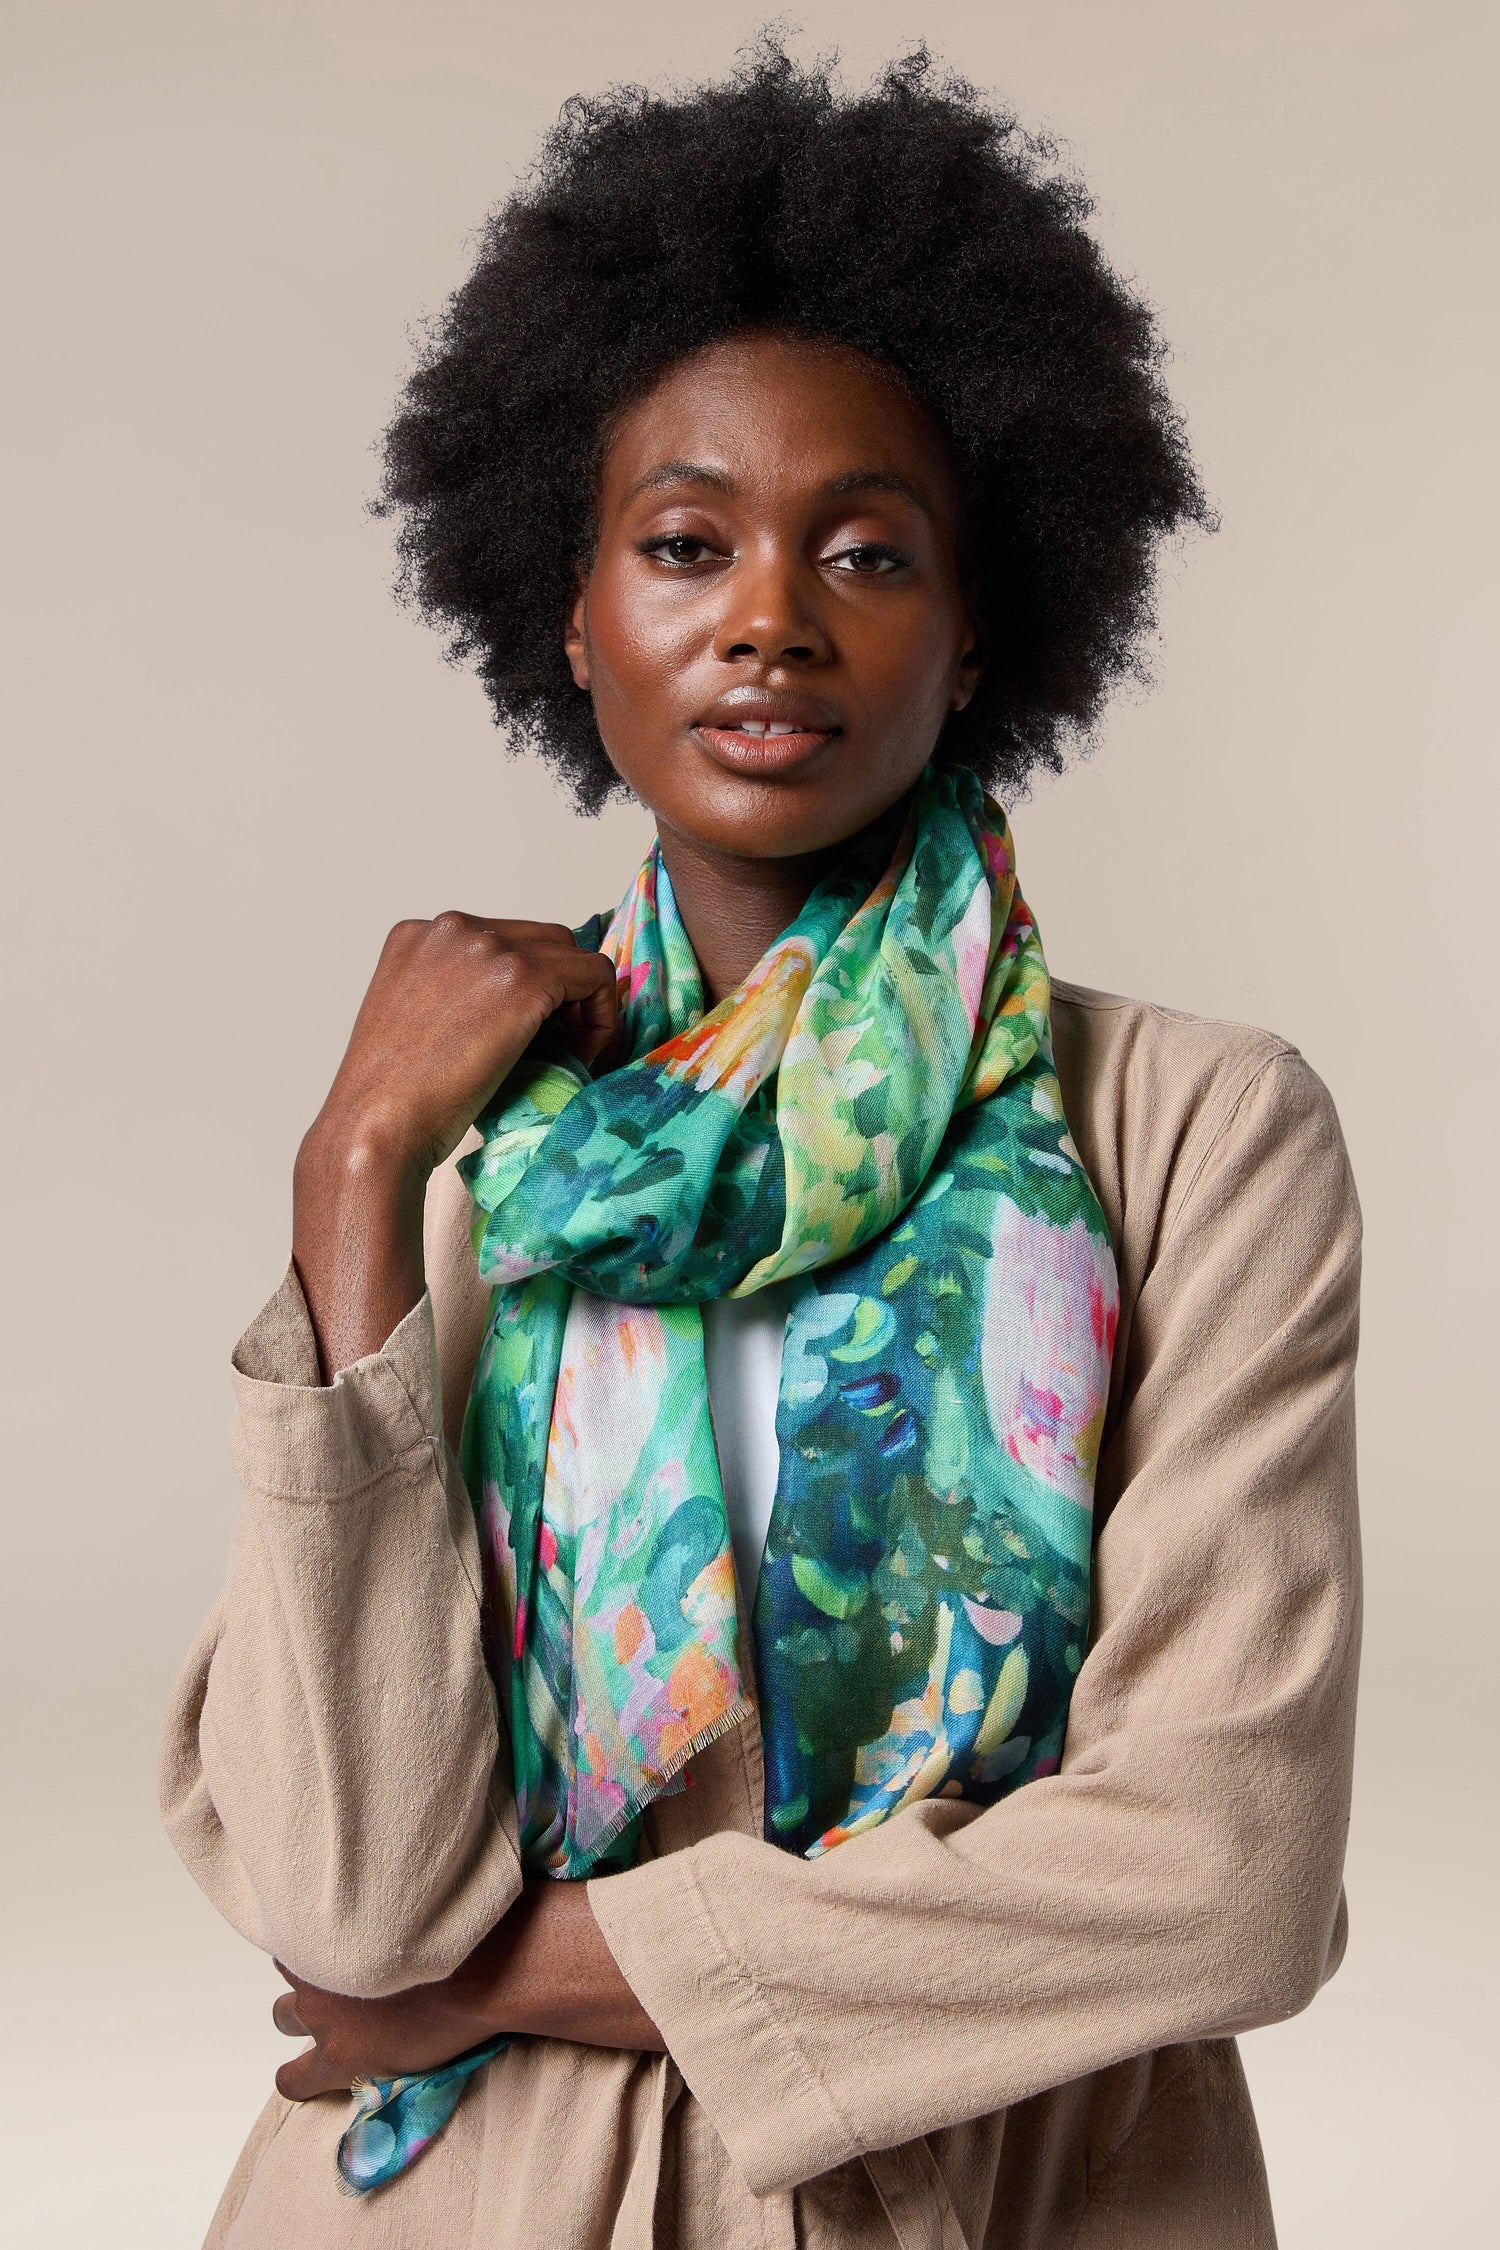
<point>785,817</point>
<point>776,827</point>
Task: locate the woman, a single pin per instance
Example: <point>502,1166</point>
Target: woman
<point>906,1490</point>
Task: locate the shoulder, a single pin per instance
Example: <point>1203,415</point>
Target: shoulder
<point>1161,1103</point>
<point>1106,1035</point>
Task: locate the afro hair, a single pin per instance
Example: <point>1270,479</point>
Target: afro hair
<point>913,222</point>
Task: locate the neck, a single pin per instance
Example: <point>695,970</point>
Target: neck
<point>733,908</point>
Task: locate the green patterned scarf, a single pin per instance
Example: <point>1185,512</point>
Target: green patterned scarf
<point>873,1114</point>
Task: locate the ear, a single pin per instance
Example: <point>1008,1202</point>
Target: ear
<point>970,665</point>
<point>575,638</point>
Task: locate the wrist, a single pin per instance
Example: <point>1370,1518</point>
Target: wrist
<point>489,1986</point>
<point>358,1159</point>
<point>357,1202</point>
<point>546,1971</point>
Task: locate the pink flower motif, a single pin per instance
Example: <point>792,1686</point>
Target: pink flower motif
<point>1048,1326</point>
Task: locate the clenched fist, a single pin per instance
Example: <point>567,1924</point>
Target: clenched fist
<point>452,1006</point>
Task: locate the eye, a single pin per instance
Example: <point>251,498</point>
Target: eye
<point>870,558</point>
<point>679,550</point>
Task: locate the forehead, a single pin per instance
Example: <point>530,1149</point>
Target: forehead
<point>773,413</point>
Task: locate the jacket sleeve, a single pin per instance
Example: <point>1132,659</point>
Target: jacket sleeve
<point>1179,1878</point>
<point>329,1774</point>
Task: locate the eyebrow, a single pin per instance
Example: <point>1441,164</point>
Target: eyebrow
<point>880,480</point>
<point>680,472</point>
<point>852,482</point>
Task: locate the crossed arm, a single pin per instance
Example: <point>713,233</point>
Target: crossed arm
<point>545,1970</point>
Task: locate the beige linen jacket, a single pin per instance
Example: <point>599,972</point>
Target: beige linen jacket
<point>1002,2029</point>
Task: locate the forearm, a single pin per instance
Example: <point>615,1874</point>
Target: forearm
<point>544,1972</point>
<point>356,1238</point>
<point>946,1966</point>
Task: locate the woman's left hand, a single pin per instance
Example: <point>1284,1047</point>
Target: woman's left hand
<point>544,1970</point>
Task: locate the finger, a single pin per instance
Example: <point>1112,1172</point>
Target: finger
<point>453,921</point>
<point>285,2017</point>
<point>586,980</point>
<point>558,983</point>
<point>590,1022</point>
<point>595,1028</point>
<point>543,933</point>
<point>308,2075</point>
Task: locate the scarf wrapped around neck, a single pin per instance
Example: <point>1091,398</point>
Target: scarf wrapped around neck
<point>874,1117</point>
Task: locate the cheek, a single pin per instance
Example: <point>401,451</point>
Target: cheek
<point>638,636</point>
<point>906,657</point>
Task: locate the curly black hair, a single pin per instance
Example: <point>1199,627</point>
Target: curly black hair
<point>913,222</point>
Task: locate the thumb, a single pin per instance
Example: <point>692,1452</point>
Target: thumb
<point>307,2076</point>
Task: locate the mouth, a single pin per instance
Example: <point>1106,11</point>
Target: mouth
<point>753,731</point>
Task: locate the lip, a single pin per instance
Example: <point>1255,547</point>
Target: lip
<point>807,725</point>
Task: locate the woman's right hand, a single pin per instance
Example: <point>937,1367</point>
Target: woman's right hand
<point>452,1006</point>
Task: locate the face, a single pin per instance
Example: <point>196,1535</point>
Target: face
<point>773,626</point>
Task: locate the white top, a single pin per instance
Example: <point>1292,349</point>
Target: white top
<point>742,1340</point>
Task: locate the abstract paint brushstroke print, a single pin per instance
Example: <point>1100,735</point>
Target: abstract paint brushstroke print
<point>873,1116</point>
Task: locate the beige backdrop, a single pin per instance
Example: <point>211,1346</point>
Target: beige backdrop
<point>231,763</point>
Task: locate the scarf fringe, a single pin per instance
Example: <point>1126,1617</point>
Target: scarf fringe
<point>741,1709</point>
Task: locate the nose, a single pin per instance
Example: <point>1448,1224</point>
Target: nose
<point>772,613</point>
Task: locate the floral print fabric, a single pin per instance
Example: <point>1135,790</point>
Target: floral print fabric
<point>874,1116</point>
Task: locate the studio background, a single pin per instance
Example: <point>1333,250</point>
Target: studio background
<point>231,763</point>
